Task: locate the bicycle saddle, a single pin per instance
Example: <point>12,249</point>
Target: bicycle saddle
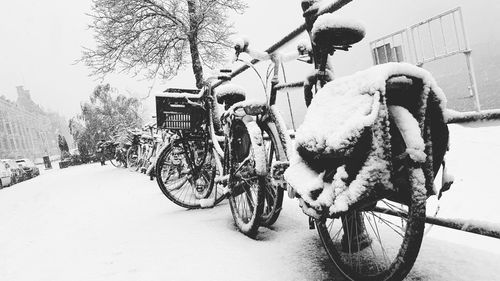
<point>332,31</point>
<point>229,94</point>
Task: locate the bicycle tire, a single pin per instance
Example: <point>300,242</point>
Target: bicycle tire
<point>340,252</point>
<point>273,194</point>
<point>132,157</point>
<point>246,200</point>
<point>115,162</point>
<point>185,195</point>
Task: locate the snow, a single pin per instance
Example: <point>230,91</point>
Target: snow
<point>356,107</point>
<point>346,91</point>
<point>229,89</point>
<point>102,223</point>
<point>251,107</point>
<point>332,21</point>
<point>457,117</point>
<point>206,203</point>
<point>316,135</point>
<point>473,161</point>
<point>259,152</point>
<point>408,126</point>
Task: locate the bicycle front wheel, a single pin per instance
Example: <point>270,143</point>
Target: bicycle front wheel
<point>132,157</point>
<point>371,245</point>
<point>273,192</point>
<point>115,161</point>
<point>246,180</point>
<point>179,180</point>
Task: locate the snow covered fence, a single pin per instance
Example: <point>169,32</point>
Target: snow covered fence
<point>453,116</point>
<point>472,226</point>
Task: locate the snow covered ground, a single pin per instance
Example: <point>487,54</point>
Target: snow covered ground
<point>102,223</point>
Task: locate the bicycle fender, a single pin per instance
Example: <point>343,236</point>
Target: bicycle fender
<point>258,146</point>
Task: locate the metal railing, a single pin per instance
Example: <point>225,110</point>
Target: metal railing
<point>289,37</point>
<point>438,37</point>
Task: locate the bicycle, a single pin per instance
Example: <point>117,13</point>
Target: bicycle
<point>119,158</point>
<point>161,138</point>
<point>345,234</point>
<point>139,155</point>
<point>132,155</point>
<point>201,167</point>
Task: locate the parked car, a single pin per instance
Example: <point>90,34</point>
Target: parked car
<point>17,173</point>
<point>29,167</point>
<point>5,176</point>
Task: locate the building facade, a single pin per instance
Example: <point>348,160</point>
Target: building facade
<point>27,131</point>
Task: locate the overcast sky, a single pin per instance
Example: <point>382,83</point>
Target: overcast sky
<point>41,40</point>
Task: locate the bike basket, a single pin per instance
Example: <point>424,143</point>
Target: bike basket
<point>177,114</point>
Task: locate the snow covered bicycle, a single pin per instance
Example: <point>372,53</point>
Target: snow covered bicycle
<point>364,159</point>
<point>201,167</point>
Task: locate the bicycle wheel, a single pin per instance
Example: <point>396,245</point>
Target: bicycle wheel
<point>114,160</point>
<point>273,192</point>
<point>133,157</point>
<point>246,155</point>
<point>370,245</point>
<point>177,177</point>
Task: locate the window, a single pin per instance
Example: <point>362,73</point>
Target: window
<point>385,54</point>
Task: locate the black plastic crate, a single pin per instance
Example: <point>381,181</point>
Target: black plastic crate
<point>177,114</point>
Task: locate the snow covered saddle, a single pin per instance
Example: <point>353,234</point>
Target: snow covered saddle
<point>357,130</point>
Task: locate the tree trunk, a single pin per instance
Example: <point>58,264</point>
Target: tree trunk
<point>193,44</point>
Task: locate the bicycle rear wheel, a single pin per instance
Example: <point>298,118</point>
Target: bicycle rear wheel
<point>179,180</point>
<point>369,245</point>
<point>246,185</point>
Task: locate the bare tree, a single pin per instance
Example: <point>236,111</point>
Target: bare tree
<point>159,36</point>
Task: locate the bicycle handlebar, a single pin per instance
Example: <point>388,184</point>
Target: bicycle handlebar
<point>242,46</point>
<point>287,38</point>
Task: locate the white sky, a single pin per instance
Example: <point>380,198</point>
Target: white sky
<point>41,40</point>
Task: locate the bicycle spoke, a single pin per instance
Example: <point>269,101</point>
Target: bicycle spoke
<point>389,224</point>
<point>377,234</point>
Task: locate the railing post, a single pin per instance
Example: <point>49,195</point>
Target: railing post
<point>470,66</point>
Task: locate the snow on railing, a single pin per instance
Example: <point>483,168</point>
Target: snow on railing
<point>289,37</point>
<point>453,116</point>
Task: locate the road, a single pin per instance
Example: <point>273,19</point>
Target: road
<point>103,223</point>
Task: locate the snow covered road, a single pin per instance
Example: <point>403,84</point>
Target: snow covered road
<point>102,223</point>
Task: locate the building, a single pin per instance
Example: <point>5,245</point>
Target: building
<point>26,130</point>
